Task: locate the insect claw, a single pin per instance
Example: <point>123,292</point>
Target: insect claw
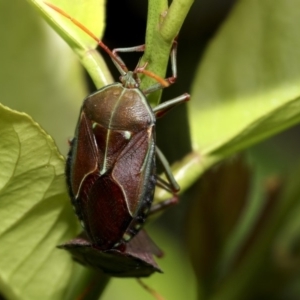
<point>142,68</point>
<point>171,80</point>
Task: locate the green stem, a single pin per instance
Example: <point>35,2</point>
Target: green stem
<point>163,26</point>
<point>96,67</point>
<point>187,171</point>
<point>173,21</point>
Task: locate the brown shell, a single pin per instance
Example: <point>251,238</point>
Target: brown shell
<point>111,164</point>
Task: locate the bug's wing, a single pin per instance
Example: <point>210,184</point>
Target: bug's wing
<point>135,166</point>
<point>101,200</point>
<point>83,157</point>
<point>104,209</point>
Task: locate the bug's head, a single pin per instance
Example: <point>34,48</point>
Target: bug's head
<point>130,80</point>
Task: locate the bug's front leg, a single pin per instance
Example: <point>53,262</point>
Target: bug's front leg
<point>115,52</point>
<point>170,80</point>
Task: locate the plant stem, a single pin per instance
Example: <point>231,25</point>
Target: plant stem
<point>163,26</point>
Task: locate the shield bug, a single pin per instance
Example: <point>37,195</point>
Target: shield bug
<point>111,166</point>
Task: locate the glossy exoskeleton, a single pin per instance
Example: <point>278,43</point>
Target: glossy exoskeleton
<point>111,168</point>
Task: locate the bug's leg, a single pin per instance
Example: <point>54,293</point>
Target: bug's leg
<point>150,290</point>
<point>171,79</point>
<point>161,206</point>
<point>139,48</point>
<point>162,183</point>
<point>70,141</point>
<point>161,109</point>
<point>170,185</point>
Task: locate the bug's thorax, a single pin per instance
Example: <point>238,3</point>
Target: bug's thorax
<point>116,107</point>
<point>118,116</point>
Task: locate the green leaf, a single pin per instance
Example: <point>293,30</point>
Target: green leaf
<point>248,85</point>
<point>39,74</point>
<point>91,15</point>
<point>34,210</point>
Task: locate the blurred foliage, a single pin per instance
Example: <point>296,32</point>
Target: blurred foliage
<point>238,225</point>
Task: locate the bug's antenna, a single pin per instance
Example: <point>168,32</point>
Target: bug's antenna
<point>116,59</point>
<point>113,56</point>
